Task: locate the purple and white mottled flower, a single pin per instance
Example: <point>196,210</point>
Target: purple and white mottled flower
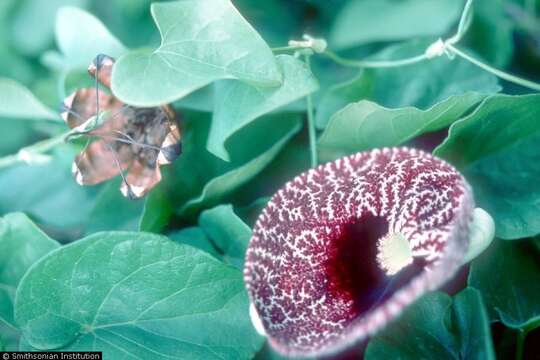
<point>342,249</point>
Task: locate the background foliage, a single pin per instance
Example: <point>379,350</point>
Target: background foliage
<point>119,277</point>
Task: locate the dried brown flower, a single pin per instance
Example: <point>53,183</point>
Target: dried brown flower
<point>121,138</point>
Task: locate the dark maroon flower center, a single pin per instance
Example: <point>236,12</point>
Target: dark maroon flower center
<point>352,272</point>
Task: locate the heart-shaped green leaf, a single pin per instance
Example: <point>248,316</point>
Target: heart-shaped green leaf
<point>201,41</point>
<point>131,295</point>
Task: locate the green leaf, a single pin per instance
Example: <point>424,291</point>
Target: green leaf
<point>20,134</point>
<point>498,148</point>
<point>506,184</point>
<point>491,32</point>
<point>229,234</point>
<point>18,102</point>
<point>21,244</point>
<point>48,192</point>
<point>80,37</point>
<point>292,160</point>
<point>230,180</point>
<point>437,328</point>
<point>250,212</point>
<point>32,37</point>
<point>9,338</point>
<point>500,121</point>
<point>365,125</point>
<point>361,22</point>
<point>196,237</point>
<point>421,85</point>
<point>508,275</point>
<point>262,16</point>
<point>201,41</point>
<point>123,16</point>
<point>131,295</point>
<point>113,211</point>
<point>239,103</point>
<point>199,100</point>
<point>200,180</point>
<point>157,210</point>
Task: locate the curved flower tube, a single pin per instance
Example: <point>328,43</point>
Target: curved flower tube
<point>342,249</point>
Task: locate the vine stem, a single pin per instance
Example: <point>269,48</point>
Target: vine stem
<point>374,64</point>
<point>311,122</point>
<point>501,74</point>
<point>447,47</point>
<point>35,153</point>
<point>287,48</point>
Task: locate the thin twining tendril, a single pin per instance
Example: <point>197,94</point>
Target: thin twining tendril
<point>128,139</point>
<point>121,171</point>
<point>109,147</point>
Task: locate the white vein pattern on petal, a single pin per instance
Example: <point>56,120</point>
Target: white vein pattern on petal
<point>419,196</point>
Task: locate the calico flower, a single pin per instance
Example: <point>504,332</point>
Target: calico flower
<point>120,138</point>
<point>342,249</point>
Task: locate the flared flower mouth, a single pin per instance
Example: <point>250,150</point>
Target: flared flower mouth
<point>342,249</point>
<point>120,137</point>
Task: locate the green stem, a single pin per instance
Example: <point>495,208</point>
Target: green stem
<point>520,345</point>
<point>374,64</point>
<point>8,160</point>
<point>38,148</point>
<point>287,48</point>
<point>501,74</point>
<point>311,123</point>
<point>464,21</point>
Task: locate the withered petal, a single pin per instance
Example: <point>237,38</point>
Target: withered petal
<point>102,65</point>
<point>141,179</point>
<point>142,138</point>
<point>80,106</point>
<point>98,163</point>
<point>171,147</point>
<point>115,123</point>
